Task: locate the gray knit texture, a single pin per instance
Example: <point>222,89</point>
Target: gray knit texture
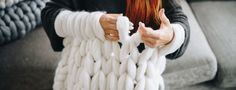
<point>19,19</point>
<point>8,3</point>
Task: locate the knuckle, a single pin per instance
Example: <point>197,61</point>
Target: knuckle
<point>153,43</point>
<point>156,42</point>
<point>151,46</point>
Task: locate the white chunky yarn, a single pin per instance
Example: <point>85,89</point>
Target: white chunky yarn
<point>89,62</point>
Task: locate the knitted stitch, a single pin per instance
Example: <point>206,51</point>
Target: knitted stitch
<point>8,3</point>
<point>89,62</point>
<point>17,20</point>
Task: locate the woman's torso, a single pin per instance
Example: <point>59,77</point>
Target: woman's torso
<point>110,6</point>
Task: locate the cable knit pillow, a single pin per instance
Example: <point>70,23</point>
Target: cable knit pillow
<point>9,3</point>
<point>17,20</point>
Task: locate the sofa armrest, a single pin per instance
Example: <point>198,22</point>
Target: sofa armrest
<point>198,64</point>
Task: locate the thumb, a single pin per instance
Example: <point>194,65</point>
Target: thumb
<point>163,18</point>
<point>142,26</point>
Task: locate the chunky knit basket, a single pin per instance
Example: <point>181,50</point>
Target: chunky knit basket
<point>89,62</point>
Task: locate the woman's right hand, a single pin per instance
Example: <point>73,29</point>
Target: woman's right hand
<point>108,23</point>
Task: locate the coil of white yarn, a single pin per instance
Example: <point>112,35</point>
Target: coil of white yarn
<point>89,62</point>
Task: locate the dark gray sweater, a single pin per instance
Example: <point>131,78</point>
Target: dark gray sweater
<point>172,10</point>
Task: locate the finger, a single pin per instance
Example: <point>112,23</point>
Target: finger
<point>113,35</point>
<point>113,18</point>
<point>111,31</point>
<point>142,26</point>
<point>111,26</point>
<point>112,38</point>
<point>116,15</point>
<point>153,44</point>
<point>146,30</point>
<point>163,17</point>
<point>149,44</point>
<point>149,40</point>
<point>149,33</point>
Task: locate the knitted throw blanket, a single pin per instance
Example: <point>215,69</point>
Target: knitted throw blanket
<point>89,62</point>
<point>19,19</point>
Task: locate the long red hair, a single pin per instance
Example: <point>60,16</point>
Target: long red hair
<point>145,11</point>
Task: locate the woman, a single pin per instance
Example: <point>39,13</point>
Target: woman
<point>173,12</point>
<point>159,18</point>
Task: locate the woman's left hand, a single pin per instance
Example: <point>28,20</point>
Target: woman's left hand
<point>159,37</point>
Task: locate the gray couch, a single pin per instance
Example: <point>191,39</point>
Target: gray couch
<point>29,63</point>
<point>211,54</point>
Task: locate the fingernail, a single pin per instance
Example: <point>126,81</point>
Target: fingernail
<point>139,23</point>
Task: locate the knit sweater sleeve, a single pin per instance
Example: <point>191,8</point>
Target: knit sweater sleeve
<point>176,16</point>
<point>48,16</point>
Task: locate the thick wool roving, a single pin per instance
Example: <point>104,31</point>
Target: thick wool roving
<point>89,62</point>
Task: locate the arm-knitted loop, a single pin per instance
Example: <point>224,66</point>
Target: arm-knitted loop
<point>97,28</point>
<point>112,81</point>
<point>123,28</point>
<point>80,24</point>
<point>131,69</point>
<point>141,84</point>
<point>77,30</point>
<point>107,49</point>
<point>95,82</point>
<point>96,52</point>
<point>102,81</point>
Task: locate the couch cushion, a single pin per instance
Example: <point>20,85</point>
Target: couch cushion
<point>28,63</point>
<point>218,21</point>
<point>198,64</point>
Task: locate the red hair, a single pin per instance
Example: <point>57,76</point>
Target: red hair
<point>145,11</point>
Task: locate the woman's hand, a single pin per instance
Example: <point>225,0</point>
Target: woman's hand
<point>159,37</point>
<point>108,23</point>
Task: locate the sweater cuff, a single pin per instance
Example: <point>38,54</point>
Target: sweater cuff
<point>80,24</point>
<point>178,40</point>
